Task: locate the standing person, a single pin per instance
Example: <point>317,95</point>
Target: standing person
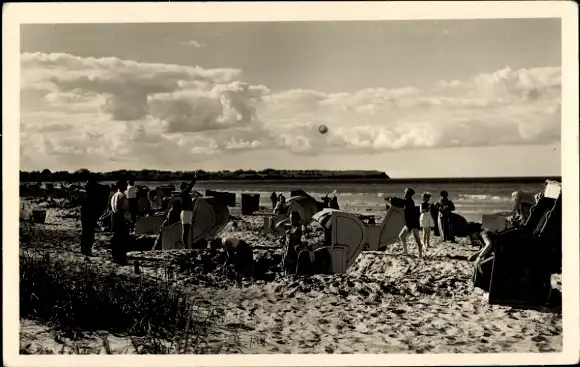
<point>445,207</point>
<point>325,201</point>
<point>334,203</point>
<point>411,215</point>
<point>144,204</point>
<point>425,220</point>
<point>186,209</point>
<point>131,194</point>
<point>120,209</point>
<point>281,207</point>
<point>89,216</point>
<point>274,199</point>
<point>293,244</point>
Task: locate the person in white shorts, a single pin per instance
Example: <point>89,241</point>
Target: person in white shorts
<point>186,209</point>
<point>425,219</point>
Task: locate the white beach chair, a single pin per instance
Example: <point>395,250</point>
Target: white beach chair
<point>210,217</point>
<point>350,235</point>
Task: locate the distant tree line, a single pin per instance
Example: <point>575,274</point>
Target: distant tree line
<point>156,175</point>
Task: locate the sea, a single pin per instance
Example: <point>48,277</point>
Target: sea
<point>471,200</point>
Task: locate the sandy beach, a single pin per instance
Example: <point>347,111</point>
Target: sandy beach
<point>386,303</point>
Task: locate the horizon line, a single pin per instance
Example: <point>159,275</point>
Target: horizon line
<point>389,177</point>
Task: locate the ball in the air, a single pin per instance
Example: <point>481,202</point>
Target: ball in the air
<point>323,129</point>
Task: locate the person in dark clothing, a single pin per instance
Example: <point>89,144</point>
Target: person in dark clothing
<point>326,201</point>
<point>274,199</point>
<point>239,253</point>
<point>334,203</point>
<point>435,217</point>
<point>144,204</point>
<point>186,209</point>
<point>89,216</point>
<point>121,218</point>
<point>445,207</point>
<point>411,220</point>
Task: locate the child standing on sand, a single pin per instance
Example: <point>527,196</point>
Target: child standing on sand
<point>425,219</point>
<point>293,241</point>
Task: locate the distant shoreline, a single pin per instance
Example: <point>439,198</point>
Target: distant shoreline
<point>448,180</point>
<point>442,180</point>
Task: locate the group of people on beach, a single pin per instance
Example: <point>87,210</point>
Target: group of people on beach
<point>123,208</point>
<point>437,216</point>
<point>280,206</point>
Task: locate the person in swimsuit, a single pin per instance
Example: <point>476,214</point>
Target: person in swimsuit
<point>186,209</point>
<point>411,215</point>
<point>293,244</point>
<point>426,220</point>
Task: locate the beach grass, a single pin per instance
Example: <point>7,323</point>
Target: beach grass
<point>75,297</point>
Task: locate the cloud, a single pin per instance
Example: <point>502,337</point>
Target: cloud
<point>98,112</point>
<point>192,44</point>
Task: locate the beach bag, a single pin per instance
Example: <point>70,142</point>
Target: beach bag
<point>304,264</point>
<point>322,261</point>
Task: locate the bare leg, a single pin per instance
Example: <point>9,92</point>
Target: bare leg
<point>184,234</point>
<point>427,241</point>
<point>418,240</point>
<point>403,237</point>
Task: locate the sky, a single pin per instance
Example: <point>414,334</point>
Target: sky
<point>449,98</point>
